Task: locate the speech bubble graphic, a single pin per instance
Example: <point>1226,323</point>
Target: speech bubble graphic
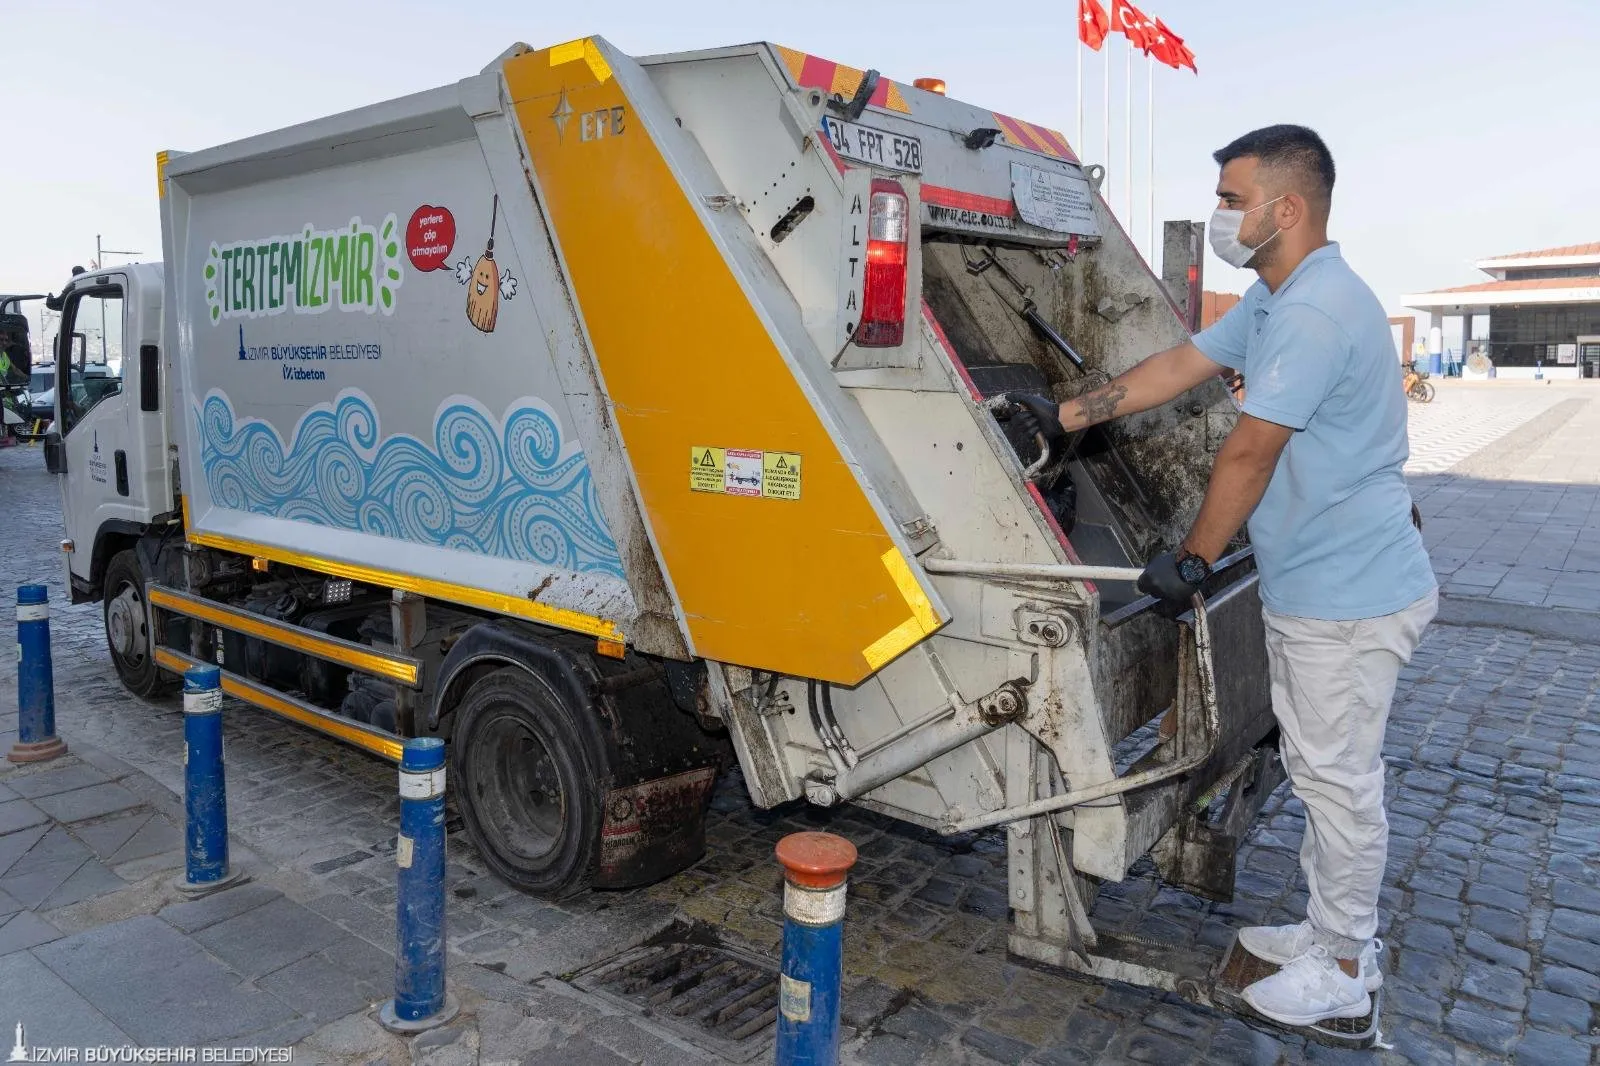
<point>430,235</point>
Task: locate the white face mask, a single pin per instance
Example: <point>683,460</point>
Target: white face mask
<point>1224,235</point>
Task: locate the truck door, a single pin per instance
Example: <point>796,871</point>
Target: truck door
<point>92,417</point>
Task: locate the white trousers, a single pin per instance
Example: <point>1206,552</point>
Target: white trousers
<point>1332,683</point>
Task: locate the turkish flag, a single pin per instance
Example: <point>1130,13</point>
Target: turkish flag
<point>1094,25</point>
<point>1130,22</point>
<point>1170,49</point>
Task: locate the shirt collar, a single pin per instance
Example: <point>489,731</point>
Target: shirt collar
<point>1266,300</point>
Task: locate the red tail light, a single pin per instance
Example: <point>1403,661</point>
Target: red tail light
<point>883,303</point>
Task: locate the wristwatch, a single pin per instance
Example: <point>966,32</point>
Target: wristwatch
<point>1193,569</point>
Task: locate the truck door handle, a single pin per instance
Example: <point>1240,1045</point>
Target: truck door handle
<point>121,460</point>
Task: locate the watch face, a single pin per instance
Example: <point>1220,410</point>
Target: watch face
<point>1193,569</point>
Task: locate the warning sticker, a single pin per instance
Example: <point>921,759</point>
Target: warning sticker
<point>743,472</point>
<point>706,467</point>
<point>794,998</point>
<point>780,476</point>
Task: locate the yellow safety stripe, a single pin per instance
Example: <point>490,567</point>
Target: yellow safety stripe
<point>401,668</point>
<point>497,602</point>
<point>384,745</point>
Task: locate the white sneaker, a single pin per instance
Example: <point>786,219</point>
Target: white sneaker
<point>1308,990</point>
<point>1282,944</point>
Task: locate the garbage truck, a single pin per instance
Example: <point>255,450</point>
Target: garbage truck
<point>603,414</point>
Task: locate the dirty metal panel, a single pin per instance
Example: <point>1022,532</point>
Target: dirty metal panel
<point>653,826</point>
<point>716,997</point>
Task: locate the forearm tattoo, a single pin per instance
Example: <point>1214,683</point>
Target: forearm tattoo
<point>1101,404</point>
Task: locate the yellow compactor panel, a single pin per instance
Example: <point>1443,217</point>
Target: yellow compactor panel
<point>777,557</point>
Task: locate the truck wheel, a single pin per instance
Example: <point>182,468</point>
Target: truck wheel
<point>529,783</point>
<point>128,628</point>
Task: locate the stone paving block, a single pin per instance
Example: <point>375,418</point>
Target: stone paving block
<point>84,803</point>
<point>191,916</point>
<point>1475,1028</point>
<point>1500,986</point>
<point>52,1013</point>
<point>86,882</point>
<point>265,938</point>
<point>318,989</point>
<point>23,930</point>
<point>1557,1013</point>
<point>18,814</point>
<point>1579,924</point>
<point>1570,952</point>
<point>174,974</point>
<point>61,777</point>
<point>1430,937</point>
<point>1538,1048</point>
<point>1495,951</point>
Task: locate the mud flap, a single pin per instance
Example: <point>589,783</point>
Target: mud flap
<point>654,828</point>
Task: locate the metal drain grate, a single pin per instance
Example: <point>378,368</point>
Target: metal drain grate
<point>713,995</point>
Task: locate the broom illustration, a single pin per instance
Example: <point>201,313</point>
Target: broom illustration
<point>483,290</point>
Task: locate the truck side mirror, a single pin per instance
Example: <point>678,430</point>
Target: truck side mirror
<point>55,453</point>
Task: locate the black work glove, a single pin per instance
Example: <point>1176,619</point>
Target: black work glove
<point>1163,579</point>
<point>1037,415</point>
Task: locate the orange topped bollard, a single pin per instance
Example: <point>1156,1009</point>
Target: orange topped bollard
<point>815,866</point>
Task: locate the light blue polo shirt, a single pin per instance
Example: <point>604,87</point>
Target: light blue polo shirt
<point>1333,534</point>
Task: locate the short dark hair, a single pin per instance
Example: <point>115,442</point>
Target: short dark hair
<point>1294,150</point>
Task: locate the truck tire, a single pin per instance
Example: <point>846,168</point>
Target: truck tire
<point>529,783</point>
<point>127,629</point>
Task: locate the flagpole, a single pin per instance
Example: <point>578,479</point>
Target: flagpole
<point>1077,145</point>
<point>1150,145</point>
<point>1106,126</point>
<point>1127,195</point>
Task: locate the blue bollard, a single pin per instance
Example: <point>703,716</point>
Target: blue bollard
<point>420,1001</point>
<point>815,866</point>
<point>205,795</point>
<point>36,688</point>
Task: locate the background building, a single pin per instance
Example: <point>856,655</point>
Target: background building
<point>1542,311</point>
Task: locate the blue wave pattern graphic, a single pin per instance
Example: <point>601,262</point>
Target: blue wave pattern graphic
<point>506,488</point>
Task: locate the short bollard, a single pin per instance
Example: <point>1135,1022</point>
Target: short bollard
<point>814,869</point>
<point>419,999</point>
<point>205,795</point>
<point>36,689</point>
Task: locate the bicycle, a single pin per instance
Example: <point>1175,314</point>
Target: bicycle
<point>1417,386</point>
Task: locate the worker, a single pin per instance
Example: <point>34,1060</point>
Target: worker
<point>1314,462</point>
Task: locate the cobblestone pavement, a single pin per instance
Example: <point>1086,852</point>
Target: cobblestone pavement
<point>1492,896</point>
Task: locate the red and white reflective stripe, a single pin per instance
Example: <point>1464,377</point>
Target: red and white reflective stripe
<point>33,612</point>
<point>967,201</point>
<point>206,701</point>
<point>814,906</point>
<point>428,784</point>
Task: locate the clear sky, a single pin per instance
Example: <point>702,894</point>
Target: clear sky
<point>1461,128</point>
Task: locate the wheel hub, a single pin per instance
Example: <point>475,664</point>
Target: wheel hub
<point>125,624</point>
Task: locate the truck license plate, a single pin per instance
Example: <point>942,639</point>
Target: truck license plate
<point>878,148</point>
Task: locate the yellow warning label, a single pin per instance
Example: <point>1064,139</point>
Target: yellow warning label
<point>706,469</point>
<point>780,476</point>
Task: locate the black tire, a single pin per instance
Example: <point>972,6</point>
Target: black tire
<point>528,772</point>
<point>1425,391</point>
<point>126,620</point>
